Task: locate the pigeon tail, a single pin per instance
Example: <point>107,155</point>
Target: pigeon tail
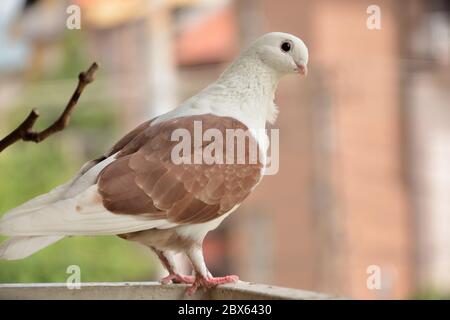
<point>21,247</point>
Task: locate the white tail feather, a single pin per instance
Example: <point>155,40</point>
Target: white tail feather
<point>22,247</point>
<point>82,181</point>
<point>40,201</point>
<point>81,215</point>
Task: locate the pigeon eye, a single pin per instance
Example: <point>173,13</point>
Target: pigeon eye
<point>286,46</point>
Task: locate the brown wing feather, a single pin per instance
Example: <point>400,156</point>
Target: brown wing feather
<point>144,180</point>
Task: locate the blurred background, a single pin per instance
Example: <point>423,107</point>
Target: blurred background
<point>364,175</point>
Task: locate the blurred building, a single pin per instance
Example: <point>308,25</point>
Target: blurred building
<point>427,98</point>
<point>363,178</point>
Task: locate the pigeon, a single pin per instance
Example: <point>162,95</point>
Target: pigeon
<point>161,185</point>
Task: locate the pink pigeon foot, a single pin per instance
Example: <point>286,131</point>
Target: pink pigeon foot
<point>210,282</point>
<point>178,278</point>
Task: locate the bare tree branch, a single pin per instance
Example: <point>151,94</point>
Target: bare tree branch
<point>25,130</point>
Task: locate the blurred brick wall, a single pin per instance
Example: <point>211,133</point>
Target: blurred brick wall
<point>338,203</point>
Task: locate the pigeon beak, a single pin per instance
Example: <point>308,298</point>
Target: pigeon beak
<point>302,69</point>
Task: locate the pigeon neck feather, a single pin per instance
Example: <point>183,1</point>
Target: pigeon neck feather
<point>245,91</point>
<point>252,84</point>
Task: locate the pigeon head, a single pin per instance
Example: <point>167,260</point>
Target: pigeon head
<point>282,52</point>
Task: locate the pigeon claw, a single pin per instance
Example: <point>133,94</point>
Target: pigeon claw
<point>178,278</point>
<point>210,282</point>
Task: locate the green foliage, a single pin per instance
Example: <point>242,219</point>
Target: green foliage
<point>74,59</point>
<point>432,294</point>
<point>27,170</point>
<point>99,259</point>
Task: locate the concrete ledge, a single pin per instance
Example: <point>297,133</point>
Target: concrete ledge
<point>150,291</point>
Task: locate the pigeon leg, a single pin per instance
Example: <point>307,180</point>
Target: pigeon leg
<point>166,259</point>
<point>203,277</point>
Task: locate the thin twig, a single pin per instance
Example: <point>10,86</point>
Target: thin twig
<point>25,130</point>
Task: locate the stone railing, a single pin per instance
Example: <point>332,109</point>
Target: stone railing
<point>151,290</point>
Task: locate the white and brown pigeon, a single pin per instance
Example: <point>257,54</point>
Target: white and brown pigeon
<point>139,192</point>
